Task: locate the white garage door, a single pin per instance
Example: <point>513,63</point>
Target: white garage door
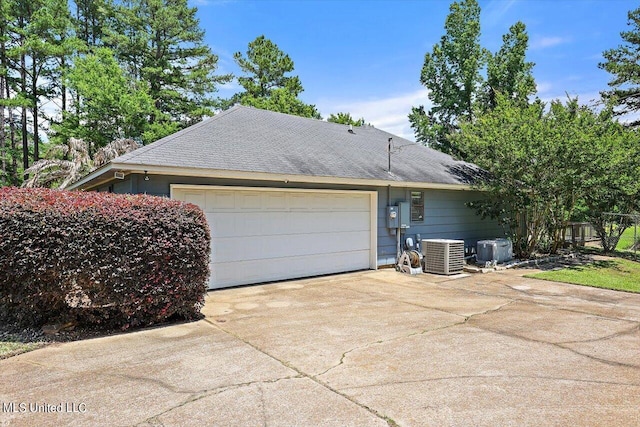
<point>261,235</point>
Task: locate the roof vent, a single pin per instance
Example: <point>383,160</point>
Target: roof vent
<point>351,129</point>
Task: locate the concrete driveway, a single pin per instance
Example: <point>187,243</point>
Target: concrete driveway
<point>363,349</point>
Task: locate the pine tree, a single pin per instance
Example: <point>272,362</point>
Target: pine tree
<point>159,42</point>
<point>265,82</point>
<point>623,63</point>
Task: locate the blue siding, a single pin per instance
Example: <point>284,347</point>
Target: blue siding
<point>446,215</point>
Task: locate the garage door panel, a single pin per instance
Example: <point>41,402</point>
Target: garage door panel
<point>267,234</point>
<point>273,201</point>
<point>358,202</point>
<point>249,201</point>
<point>195,197</point>
<point>220,201</point>
<point>233,249</point>
<point>245,224</point>
<point>258,271</point>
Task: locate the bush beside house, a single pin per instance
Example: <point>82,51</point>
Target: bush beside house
<point>100,260</point>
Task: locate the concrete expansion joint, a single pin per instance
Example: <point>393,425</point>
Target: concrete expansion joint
<point>558,345</point>
<point>422,332</point>
<point>201,394</point>
<point>634,328</point>
<point>154,420</point>
<point>532,300</point>
<point>304,374</point>
<point>599,359</point>
<point>492,376</point>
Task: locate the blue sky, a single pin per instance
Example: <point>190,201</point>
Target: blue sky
<point>365,57</point>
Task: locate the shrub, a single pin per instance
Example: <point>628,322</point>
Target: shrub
<point>101,260</point>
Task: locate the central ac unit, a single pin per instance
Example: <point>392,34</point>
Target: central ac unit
<point>443,256</point>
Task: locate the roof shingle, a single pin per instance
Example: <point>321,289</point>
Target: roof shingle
<point>253,140</point>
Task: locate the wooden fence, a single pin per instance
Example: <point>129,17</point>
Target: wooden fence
<point>580,233</point>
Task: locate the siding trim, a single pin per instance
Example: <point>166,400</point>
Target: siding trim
<point>93,179</point>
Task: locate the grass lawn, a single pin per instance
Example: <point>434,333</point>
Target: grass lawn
<point>616,273</point>
<point>12,348</point>
<point>626,240</point>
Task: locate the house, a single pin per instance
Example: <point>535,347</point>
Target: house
<point>289,197</point>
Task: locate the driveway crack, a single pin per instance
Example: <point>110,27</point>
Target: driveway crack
<point>631,330</point>
<point>198,395</point>
<point>422,332</point>
<point>559,345</point>
<point>305,375</point>
<point>504,376</point>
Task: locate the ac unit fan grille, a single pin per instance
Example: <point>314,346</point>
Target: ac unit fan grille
<point>443,257</point>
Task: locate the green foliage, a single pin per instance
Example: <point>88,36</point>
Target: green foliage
<point>102,260</point>
<point>611,178</point>
<point>451,72</point>
<point>266,66</point>
<point>13,348</point>
<point>67,163</point>
<point>622,62</point>
<point>37,34</point>
<point>53,53</point>
<point>627,241</point>
<point>345,119</point>
<point>617,274</point>
<point>508,72</point>
<point>510,143</point>
<point>91,20</point>
<point>265,84</point>
<point>109,106</point>
<point>543,163</point>
<point>160,45</point>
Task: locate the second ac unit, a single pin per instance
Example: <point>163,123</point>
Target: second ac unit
<point>496,250</point>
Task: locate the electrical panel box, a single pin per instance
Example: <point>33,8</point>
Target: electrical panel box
<point>393,221</point>
<point>404,214</point>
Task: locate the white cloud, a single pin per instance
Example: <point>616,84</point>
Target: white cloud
<point>211,2</point>
<point>544,42</point>
<point>231,86</point>
<point>388,114</point>
<point>543,87</point>
<point>495,10</point>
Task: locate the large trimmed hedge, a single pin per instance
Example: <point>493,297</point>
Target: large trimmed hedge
<point>101,260</point>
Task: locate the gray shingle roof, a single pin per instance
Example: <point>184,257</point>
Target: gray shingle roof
<point>253,140</point>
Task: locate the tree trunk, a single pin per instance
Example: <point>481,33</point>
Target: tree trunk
<point>13,175</point>
<point>25,131</point>
<point>34,111</point>
<point>3,136</point>
<point>63,86</point>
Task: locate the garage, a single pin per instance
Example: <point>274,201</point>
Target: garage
<point>267,234</point>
